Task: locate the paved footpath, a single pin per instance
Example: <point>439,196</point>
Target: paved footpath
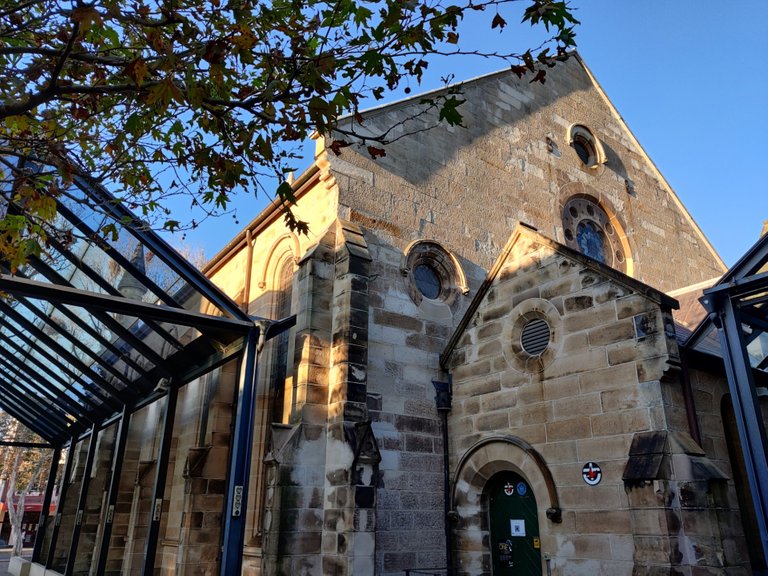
<point>5,556</point>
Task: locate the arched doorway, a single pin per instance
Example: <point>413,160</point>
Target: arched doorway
<point>514,526</point>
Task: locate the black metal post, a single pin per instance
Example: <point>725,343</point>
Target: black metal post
<point>46,509</point>
<point>156,512</point>
<point>60,504</point>
<point>240,460</point>
<point>81,501</point>
<point>118,453</point>
<point>747,411</point>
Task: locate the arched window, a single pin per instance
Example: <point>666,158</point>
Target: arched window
<point>283,292</point>
<point>588,229</point>
<point>586,145</point>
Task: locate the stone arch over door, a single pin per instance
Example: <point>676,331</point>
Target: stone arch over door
<point>477,466</point>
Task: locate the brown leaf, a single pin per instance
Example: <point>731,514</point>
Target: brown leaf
<point>337,145</point>
<point>136,70</point>
<point>519,71</point>
<point>86,17</point>
<point>498,22</point>
<point>376,152</point>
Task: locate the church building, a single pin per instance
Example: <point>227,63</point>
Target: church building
<point>486,357</point>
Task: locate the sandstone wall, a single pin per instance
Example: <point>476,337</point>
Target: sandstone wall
<point>606,388</point>
<point>467,186</point>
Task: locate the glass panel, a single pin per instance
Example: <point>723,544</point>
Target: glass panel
<point>427,281</point>
<point>591,241</point>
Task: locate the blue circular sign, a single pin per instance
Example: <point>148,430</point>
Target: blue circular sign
<point>521,488</point>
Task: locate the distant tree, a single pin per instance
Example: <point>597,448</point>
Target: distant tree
<point>20,472</point>
<point>155,98</point>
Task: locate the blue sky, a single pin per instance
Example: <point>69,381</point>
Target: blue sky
<point>690,79</point>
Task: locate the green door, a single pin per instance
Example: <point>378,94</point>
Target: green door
<point>514,523</point>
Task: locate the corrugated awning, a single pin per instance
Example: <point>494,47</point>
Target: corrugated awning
<point>103,321</point>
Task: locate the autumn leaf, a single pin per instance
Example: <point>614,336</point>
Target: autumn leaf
<point>337,145</point>
<point>86,17</point>
<point>498,22</point>
<point>376,152</point>
<point>163,92</point>
<point>136,71</point>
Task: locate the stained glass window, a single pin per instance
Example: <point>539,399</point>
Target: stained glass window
<point>591,240</point>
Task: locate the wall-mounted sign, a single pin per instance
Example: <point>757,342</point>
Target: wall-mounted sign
<point>592,473</point>
<point>522,489</point>
<point>517,527</point>
<point>237,501</point>
<point>509,489</point>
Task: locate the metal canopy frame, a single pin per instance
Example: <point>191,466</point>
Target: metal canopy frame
<point>738,311</point>
<point>90,333</point>
<point>78,346</point>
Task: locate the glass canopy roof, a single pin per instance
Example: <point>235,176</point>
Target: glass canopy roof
<point>106,318</point>
<point>746,287</point>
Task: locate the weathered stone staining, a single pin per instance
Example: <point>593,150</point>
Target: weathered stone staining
<point>348,474</point>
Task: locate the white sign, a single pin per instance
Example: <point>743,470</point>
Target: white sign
<point>237,501</point>
<point>517,527</point>
<point>158,510</point>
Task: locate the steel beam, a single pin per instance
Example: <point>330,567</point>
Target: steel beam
<point>14,444</point>
<point>118,454</point>
<point>41,424</point>
<point>46,509</point>
<point>32,330</point>
<point>30,381</point>
<point>113,325</point>
<point>81,502</point>
<point>85,327</point>
<point>101,282</point>
<point>160,248</point>
<point>48,368</point>
<point>85,348</point>
<point>161,473</point>
<point>120,305</point>
<point>240,460</point>
<point>25,419</point>
<point>746,408</point>
<point>50,557</point>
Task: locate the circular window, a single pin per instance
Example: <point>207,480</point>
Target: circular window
<point>535,337</point>
<point>427,281</point>
<point>586,146</point>
<point>588,229</point>
<point>432,273</point>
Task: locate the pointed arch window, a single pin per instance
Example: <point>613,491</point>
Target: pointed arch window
<point>282,308</point>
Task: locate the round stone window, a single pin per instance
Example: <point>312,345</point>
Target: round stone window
<point>432,274</point>
<point>586,146</point>
<point>588,229</point>
<point>535,337</point>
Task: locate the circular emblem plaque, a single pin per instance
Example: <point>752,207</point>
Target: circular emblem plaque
<point>509,489</point>
<point>592,473</point>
